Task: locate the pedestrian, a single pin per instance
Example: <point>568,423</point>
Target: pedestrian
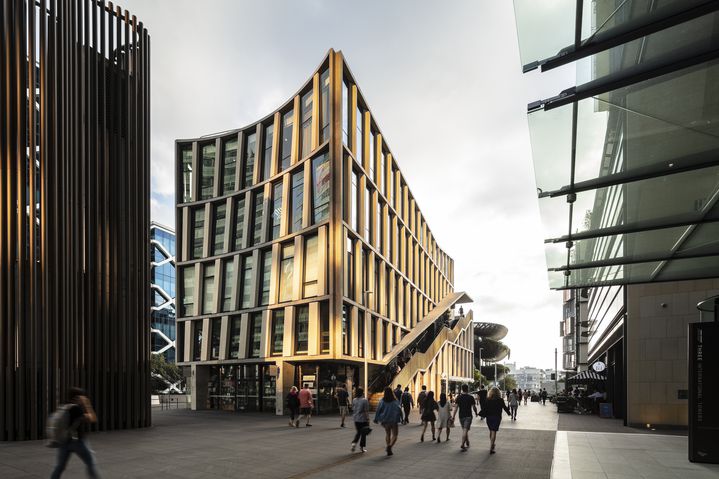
<point>492,412</point>
<point>360,415</point>
<point>428,416</point>
<point>526,395</point>
<point>343,401</point>
<point>389,415</point>
<point>293,404</point>
<point>482,398</point>
<point>543,395</point>
<point>398,394</point>
<point>444,418</point>
<point>465,404</point>
<point>407,403</point>
<point>513,404</point>
<point>76,413</point>
<point>420,399</point>
<point>306,404</point>
<point>519,397</point>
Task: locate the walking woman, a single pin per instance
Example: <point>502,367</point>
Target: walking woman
<point>360,415</point>
<point>513,404</point>
<point>444,421</point>
<point>293,404</point>
<point>389,414</point>
<point>492,411</point>
<point>430,406</point>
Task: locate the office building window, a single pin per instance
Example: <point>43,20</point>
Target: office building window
<point>324,327</point>
<point>198,234</point>
<point>267,153</point>
<point>229,165</point>
<point>354,205</point>
<point>258,216</point>
<point>346,330</point>
<point>278,331</point>
<point>373,337</point>
<point>382,177</point>
<point>359,127</point>
<point>383,325</point>
<point>255,331</point>
<point>325,106</point>
<point>239,221</point>
<point>197,340</point>
<point>311,267</point>
<point>235,335</point>
<point>266,275</point>
<point>306,138</point>
<point>188,291</point>
<point>302,324</point>
<point>247,266</point>
<point>376,286</point>
<point>368,216</point>
<point>360,335</point>
<point>276,209</point>
<point>365,276</point>
<point>371,154</point>
<point>208,289</point>
<point>208,171</point>
<point>249,163</point>
<point>218,246</point>
<point>228,285</point>
<point>187,174</point>
<point>346,109</point>
<point>298,180</point>
<point>287,267</point>
<point>349,270</point>
<point>286,149</point>
<point>216,331</point>
<point>321,188</point>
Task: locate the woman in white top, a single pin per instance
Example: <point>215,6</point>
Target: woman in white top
<point>444,415</point>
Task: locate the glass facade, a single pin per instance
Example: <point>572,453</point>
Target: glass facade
<point>228,285</point>
<point>258,217</point>
<point>278,331</point>
<point>162,278</point>
<point>266,276</point>
<point>322,180</point>
<point>186,174</point>
<point>229,166</point>
<point>306,138</point>
<point>247,266</point>
<point>302,321</point>
<point>287,126</point>
<point>311,267</point>
<point>276,209</point>
<point>239,222</point>
<point>207,180</point>
<point>218,245</point>
<point>268,151</point>
<point>208,289</point>
<point>324,106</point>
<point>297,201</point>
<point>198,233</point>
<point>287,268</point>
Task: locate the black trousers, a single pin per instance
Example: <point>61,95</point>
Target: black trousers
<point>361,435</point>
<point>407,408</point>
<point>294,413</point>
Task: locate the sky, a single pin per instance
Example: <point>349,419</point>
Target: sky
<point>445,85</point>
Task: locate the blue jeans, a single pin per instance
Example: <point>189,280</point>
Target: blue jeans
<point>79,447</point>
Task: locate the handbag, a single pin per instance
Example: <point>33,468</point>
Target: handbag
<point>366,430</point>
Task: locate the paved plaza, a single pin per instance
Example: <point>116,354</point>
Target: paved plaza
<point>209,444</point>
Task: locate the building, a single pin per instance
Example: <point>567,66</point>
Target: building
<point>627,168</point>
<point>574,330</point>
<point>162,277</point>
<point>303,257</point>
<point>488,349</point>
<point>74,210</point>
<point>530,378</point>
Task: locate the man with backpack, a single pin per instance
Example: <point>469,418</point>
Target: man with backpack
<point>407,403</point>
<point>66,432</point>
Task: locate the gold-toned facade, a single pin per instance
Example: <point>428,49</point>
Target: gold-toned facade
<point>303,257</point>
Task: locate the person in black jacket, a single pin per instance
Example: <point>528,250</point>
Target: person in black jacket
<point>492,411</point>
<point>482,397</point>
<point>293,404</point>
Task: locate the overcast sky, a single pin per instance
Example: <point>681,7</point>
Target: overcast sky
<point>444,82</point>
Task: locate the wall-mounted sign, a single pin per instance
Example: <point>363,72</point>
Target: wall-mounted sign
<point>703,390</point>
<point>599,366</point>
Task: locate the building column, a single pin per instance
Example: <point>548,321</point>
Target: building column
<point>198,382</point>
<point>285,380</point>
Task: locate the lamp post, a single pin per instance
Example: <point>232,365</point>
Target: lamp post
<point>480,366</point>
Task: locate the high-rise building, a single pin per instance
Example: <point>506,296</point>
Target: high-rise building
<point>574,329</point>
<point>162,277</point>
<point>74,210</point>
<point>303,257</point>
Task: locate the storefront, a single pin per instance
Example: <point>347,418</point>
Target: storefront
<point>242,387</point>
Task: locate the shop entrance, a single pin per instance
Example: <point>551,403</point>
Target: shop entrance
<point>242,387</point>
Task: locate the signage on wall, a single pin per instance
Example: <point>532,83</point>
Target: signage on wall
<point>599,366</point>
<point>703,390</point>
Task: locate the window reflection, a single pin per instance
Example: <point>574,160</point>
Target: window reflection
<point>188,291</point>
<point>297,199</point>
<point>302,320</point>
<point>258,217</point>
<point>198,235</point>
<point>278,331</point>
<point>287,272</point>
<point>287,126</point>
<point>306,139</point>
<point>311,267</point>
<point>249,163</point>
<point>321,178</point>
<point>276,209</point>
<point>208,289</point>
<point>267,154</point>
<point>218,246</point>
<point>208,171</point>
<point>229,166</point>
<point>187,173</point>
<point>247,281</point>
<point>228,285</point>
<point>325,106</point>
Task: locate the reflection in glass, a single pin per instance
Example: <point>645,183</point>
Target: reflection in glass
<point>321,188</point>
<point>372,158</point>
<point>266,276</point>
<point>208,171</point>
<point>324,106</point>
<point>216,330</point>
<point>324,327</point>
<point>228,285</point>
<point>359,127</point>
<point>247,281</point>
<point>239,222</point>
<point>311,267</point>
<point>287,271</point>
<point>235,336</point>
<point>368,216</point>
<point>267,155</point>
<point>349,270</point>
<point>198,235</point>
<point>276,209</point>
<point>287,126</point>
<point>188,291</point>
<point>297,198</point>
<point>229,166</point>
<point>306,138</point>
<point>346,109</point>
<point>249,164</point>
<point>278,331</point>
<point>208,289</point>
<point>302,322</point>
<point>187,174</point>
<point>258,217</point>
<point>346,333</point>
<point>197,340</point>
<point>218,246</point>
<point>255,330</point>
<point>354,206</point>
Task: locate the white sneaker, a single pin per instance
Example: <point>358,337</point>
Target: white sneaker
<point>364,449</point>
<point>354,445</point>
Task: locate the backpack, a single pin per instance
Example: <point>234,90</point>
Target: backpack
<point>59,430</point>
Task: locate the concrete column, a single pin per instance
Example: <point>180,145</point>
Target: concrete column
<point>198,382</point>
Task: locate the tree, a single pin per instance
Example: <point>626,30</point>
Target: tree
<point>163,374</point>
<point>479,379</point>
<point>508,383</point>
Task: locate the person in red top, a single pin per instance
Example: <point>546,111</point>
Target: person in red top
<point>306,404</point>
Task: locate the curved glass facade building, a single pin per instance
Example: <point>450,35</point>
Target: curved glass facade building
<point>303,257</point>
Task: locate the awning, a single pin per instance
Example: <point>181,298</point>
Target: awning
<point>586,377</point>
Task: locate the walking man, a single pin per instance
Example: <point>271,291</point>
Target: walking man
<point>482,399</point>
<point>80,412</point>
<point>306,404</point>
<point>543,395</point>
<point>360,415</point>
<point>465,403</point>
<point>398,394</point>
<point>343,401</point>
<point>407,404</point>
<point>420,399</point>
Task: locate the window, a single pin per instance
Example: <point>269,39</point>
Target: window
<point>324,327</point>
<point>375,288</point>
<point>247,281</point>
<point>325,106</point>
<point>255,331</point>
<point>287,267</point>
<point>398,201</point>
<point>298,180</point>
<point>383,325</point>
<point>287,124</point>
<point>276,209</point>
<point>380,229</point>
<point>229,165</point>
<point>373,337</point>
<point>218,246</point>
<point>359,127</point>
<point>390,240</point>
<point>392,186</point>
<point>187,174</point>
<point>249,164</point>
<point>382,177</point>
<point>368,216</point>
<point>354,202</point>
<point>371,154</point>
<point>346,109</point>
<point>346,330</point>
<point>311,267</point>
<point>216,330</point>
<point>360,335</point>
<point>258,217</point>
<point>365,277</point>
<point>228,285</point>
<point>321,187</point>
<point>208,289</point>
<point>197,340</point>
<point>349,270</point>
<point>306,139</point>
<point>278,331</point>
<point>235,332</point>
<point>208,171</point>
<point>239,221</point>
<point>266,274</point>
<point>302,323</point>
<point>188,291</point>
<point>267,154</point>
<point>198,235</point>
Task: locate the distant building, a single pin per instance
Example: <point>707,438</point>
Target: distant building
<point>574,329</point>
<point>530,378</point>
<point>162,277</point>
